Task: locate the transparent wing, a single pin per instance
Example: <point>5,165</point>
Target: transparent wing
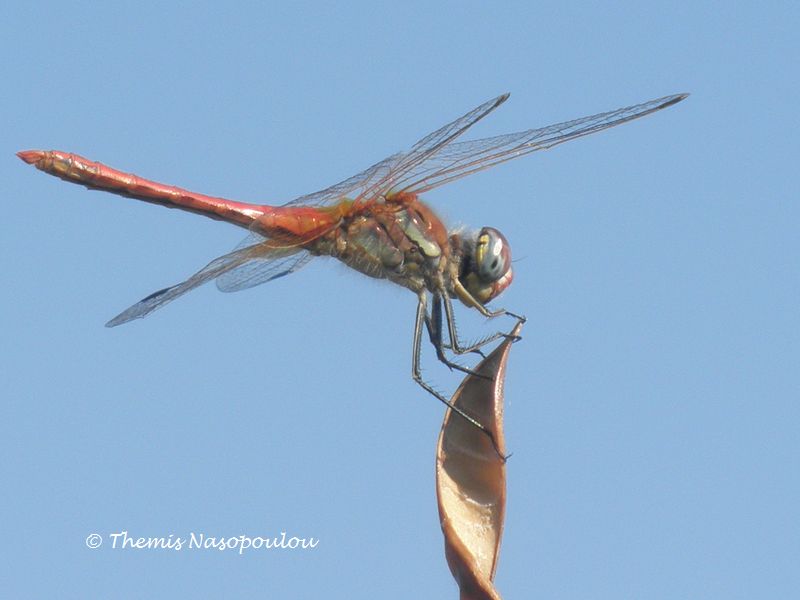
<point>277,260</point>
<point>354,186</point>
<point>382,176</point>
<point>433,143</point>
<point>261,268</point>
<point>463,158</point>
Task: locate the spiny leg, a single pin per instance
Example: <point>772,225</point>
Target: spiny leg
<point>434,326</point>
<point>463,294</point>
<point>435,323</point>
<point>456,345</point>
<point>422,318</point>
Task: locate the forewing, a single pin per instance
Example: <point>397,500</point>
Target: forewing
<point>463,158</point>
<point>354,186</point>
<point>433,143</point>
<point>382,177</point>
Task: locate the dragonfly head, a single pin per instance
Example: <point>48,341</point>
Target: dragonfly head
<point>486,265</point>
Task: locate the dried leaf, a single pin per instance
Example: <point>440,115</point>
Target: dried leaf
<point>471,478</point>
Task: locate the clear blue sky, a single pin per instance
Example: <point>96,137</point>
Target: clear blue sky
<point>653,407</point>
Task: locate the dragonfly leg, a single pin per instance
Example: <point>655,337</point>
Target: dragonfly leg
<point>435,331</point>
<point>422,319</point>
<point>468,299</point>
<point>457,346</point>
<point>430,324</point>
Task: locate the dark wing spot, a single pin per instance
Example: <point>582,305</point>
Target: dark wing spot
<point>156,294</point>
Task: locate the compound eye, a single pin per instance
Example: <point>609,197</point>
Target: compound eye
<point>493,255</point>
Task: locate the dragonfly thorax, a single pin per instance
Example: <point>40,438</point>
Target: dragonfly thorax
<point>402,241</point>
<point>485,269</point>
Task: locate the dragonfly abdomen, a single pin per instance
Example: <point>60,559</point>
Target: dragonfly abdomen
<point>97,176</point>
<point>300,224</point>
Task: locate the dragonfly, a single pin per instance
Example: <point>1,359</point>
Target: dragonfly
<point>374,222</point>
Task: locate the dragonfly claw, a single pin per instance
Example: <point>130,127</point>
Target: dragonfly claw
<point>520,318</point>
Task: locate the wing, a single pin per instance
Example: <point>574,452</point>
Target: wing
<point>429,146</point>
<point>355,186</point>
<point>381,177</point>
<point>464,158</point>
<point>271,261</point>
<point>262,267</point>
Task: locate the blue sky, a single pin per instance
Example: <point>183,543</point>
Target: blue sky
<point>652,407</point>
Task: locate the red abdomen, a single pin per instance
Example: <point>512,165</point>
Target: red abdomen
<point>292,221</point>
